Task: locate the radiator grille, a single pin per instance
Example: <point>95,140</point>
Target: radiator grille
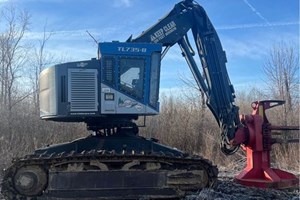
<point>83,90</point>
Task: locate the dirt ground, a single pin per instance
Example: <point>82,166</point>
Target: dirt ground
<point>226,189</point>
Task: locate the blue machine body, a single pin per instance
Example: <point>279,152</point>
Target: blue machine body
<point>132,70</point>
<point>123,83</point>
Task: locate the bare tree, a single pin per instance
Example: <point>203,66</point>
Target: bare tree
<point>282,74</point>
<point>39,60</point>
<point>13,53</point>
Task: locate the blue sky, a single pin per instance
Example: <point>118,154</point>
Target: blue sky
<point>247,29</point>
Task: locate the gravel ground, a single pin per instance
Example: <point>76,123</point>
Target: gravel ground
<point>1,197</point>
<point>229,190</point>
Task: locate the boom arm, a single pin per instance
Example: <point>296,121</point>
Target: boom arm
<point>214,81</point>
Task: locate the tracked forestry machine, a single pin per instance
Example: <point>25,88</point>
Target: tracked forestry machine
<point>109,94</point>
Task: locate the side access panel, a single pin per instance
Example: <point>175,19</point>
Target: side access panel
<point>83,90</point>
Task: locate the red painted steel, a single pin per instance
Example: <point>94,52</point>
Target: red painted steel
<point>258,172</point>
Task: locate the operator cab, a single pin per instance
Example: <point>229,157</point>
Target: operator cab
<point>122,84</point>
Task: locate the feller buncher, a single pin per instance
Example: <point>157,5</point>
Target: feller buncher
<point>109,94</point>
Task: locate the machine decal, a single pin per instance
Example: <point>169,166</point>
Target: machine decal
<point>139,107</point>
<point>82,64</point>
<point>132,49</point>
<point>82,113</point>
<point>127,103</point>
<point>105,90</point>
<point>163,32</point>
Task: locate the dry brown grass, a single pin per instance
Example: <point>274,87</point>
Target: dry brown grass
<point>186,125</point>
<point>183,123</point>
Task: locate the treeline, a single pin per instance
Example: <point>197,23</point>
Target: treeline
<point>184,121</point>
<point>21,61</point>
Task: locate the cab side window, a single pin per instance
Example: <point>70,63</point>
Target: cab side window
<point>132,76</point>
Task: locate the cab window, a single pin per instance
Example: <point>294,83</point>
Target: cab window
<point>154,78</point>
<point>108,70</point>
<point>132,76</point>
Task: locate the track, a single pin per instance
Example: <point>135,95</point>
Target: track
<point>100,174</point>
